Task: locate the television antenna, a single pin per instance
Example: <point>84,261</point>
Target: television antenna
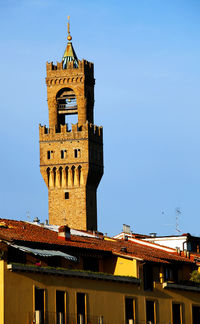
<point>178,214</point>
<point>28,215</point>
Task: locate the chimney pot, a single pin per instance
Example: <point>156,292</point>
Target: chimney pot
<point>64,233</point>
<point>153,234</point>
<point>126,229</point>
<point>36,220</point>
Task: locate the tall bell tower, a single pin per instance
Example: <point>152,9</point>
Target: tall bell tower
<point>71,158</point>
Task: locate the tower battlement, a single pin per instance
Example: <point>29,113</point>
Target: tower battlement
<point>86,131</point>
<point>83,67</point>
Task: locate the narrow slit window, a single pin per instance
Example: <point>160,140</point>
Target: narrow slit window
<point>63,154</point>
<point>77,153</point>
<point>66,195</point>
<point>49,155</point>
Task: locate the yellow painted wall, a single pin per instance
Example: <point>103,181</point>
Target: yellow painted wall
<point>2,291</point>
<point>125,267</point>
<point>105,298</point>
<point>101,296</point>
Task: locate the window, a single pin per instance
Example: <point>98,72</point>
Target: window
<point>177,313</point>
<point>49,155</point>
<point>63,154</point>
<point>39,305</point>
<point>195,314</point>
<point>60,307</point>
<point>91,264</point>
<point>77,153</point>
<point>66,195</point>
<point>67,106</point>
<point>81,308</point>
<point>148,277</point>
<point>129,310</point>
<point>170,274</point>
<point>150,312</point>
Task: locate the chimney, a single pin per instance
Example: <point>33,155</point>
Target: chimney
<point>36,220</point>
<point>153,234</point>
<point>188,254</point>
<point>64,233</point>
<point>126,229</point>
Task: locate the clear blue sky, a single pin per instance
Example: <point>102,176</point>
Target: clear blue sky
<point>147,97</point>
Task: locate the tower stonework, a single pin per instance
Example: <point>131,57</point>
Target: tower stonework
<point>71,160</point>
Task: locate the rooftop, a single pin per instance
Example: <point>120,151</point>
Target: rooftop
<point>26,234</point>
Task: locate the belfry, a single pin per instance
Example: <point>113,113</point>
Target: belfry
<point>71,158</point>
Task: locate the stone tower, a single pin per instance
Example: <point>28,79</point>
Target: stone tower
<point>71,159</point>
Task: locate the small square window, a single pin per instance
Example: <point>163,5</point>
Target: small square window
<point>66,195</point>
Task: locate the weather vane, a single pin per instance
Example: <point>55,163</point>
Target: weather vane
<point>69,37</point>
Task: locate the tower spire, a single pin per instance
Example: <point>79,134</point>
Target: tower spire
<point>69,37</point>
<point>69,54</point>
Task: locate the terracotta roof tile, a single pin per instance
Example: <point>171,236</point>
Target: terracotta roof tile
<point>13,230</point>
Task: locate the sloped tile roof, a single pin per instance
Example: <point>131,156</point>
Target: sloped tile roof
<point>13,230</point>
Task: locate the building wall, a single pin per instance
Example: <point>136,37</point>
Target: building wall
<point>2,292</point>
<point>126,267</point>
<point>103,298</point>
<point>172,242</point>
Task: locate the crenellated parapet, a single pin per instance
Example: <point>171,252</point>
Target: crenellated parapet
<point>86,131</point>
<point>56,73</point>
<point>83,66</point>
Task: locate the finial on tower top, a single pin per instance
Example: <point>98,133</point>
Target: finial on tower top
<point>69,37</point>
<point>69,54</point>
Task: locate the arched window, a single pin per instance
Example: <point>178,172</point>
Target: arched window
<point>66,105</point>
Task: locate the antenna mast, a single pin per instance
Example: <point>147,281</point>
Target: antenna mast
<point>178,214</point>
